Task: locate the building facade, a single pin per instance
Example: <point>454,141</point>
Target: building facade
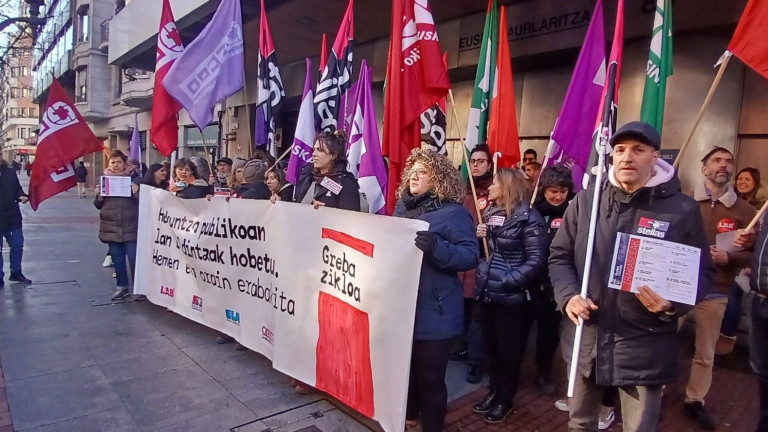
<point>545,38</point>
<point>18,114</point>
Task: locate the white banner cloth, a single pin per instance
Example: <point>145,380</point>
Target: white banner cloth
<point>328,295</point>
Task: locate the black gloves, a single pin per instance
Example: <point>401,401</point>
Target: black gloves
<point>426,241</point>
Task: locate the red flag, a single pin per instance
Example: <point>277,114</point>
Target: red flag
<point>165,109</point>
<point>416,79</point>
<point>64,137</point>
<point>749,42</point>
<point>336,77</point>
<point>323,53</point>
<point>502,126</point>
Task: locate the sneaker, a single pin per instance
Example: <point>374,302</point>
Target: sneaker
<point>304,389</point>
<point>696,412</point>
<point>19,277</point>
<point>458,355</point>
<point>120,293</point>
<point>724,344</point>
<point>474,374</point>
<point>562,405</point>
<point>114,275</point>
<point>499,413</point>
<point>139,297</point>
<point>224,339</point>
<point>107,261</point>
<point>239,347</point>
<point>606,418</point>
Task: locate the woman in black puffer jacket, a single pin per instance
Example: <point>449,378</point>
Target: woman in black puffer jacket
<point>517,239</point>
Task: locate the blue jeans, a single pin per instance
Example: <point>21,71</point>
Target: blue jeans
<point>15,239</point>
<point>758,355</point>
<point>118,252</point>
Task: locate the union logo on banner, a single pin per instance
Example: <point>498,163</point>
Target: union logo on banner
<point>57,117</point>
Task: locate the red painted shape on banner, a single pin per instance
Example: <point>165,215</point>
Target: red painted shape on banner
<point>344,354</point>
<point>362,246</point>
<point>634,246</point>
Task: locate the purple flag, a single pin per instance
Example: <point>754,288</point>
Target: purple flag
<point>211,68</point>
<point>571,140</point>
<point>364,149</point>
<point>134,147</point>
<point>303,139</point>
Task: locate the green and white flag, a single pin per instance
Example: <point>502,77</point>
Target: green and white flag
<point>659,66</point>
<point>477,126</point>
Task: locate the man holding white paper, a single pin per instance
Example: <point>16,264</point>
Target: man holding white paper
<point>630,336</point>
<point>722,212</point>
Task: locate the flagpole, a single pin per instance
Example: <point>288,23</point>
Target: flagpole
<point>282,156</point>
<point>466,162</point>
<point>723,64</point>
<point>547,157</point>
<point>251,143</point>
<point>496,157</point>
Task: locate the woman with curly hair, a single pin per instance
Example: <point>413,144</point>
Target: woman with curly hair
<point>431,190</point>
<point>326,181</point>
<point>518,259</point>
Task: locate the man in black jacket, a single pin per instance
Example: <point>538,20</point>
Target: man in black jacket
<point>81,172</point>
<point>629,338</point>
<point>758,335</point>
<point>10,221</point>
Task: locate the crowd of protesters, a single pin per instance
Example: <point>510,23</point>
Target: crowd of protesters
<point>506,254</point>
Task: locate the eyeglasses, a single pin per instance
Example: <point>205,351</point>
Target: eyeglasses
<point>418,173</point>
<point>529,159</point>
<point>477,161</point>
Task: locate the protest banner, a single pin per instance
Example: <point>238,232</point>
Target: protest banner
<point>328,295</point>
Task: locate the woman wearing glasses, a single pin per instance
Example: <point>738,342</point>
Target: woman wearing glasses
<point>187,183</point>
<point>431,190</point>
<point>326,182</point>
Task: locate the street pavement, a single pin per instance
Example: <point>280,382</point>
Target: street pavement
<point>72,360</point>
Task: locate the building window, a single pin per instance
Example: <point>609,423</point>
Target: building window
<point>26,92</point>
<point>33,112</point>
<point>14,112</point>
<point>143,140</point>
<point>82,86</point>
<point>24,111</point>
<point>83,25</point>
<point>14,72</point>
<point>25,71</point>
<point>14,92</point>
<point>22,133</point>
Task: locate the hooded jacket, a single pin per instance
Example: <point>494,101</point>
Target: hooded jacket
<point>440,304</point>
<point>623,343</point>
<point>518,258</point>
<point>727,213</point>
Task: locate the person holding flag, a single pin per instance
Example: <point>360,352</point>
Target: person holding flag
<point>11,194</point>
<point>629,339</point>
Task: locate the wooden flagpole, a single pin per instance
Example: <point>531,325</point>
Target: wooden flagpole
<point>723,64</point>
<point>466,161</point>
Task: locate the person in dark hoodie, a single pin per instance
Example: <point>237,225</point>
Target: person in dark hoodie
<point>518,258</point>
<point>470,344</point>
<point>554,194</point>
<point>629,338</point>
<point>326,182</point>
<point>431,190</point>
<point>188,184</point>
<point>253,186</point>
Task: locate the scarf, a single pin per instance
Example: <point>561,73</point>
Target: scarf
<point>127,172</point>
<point>417,205</point>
